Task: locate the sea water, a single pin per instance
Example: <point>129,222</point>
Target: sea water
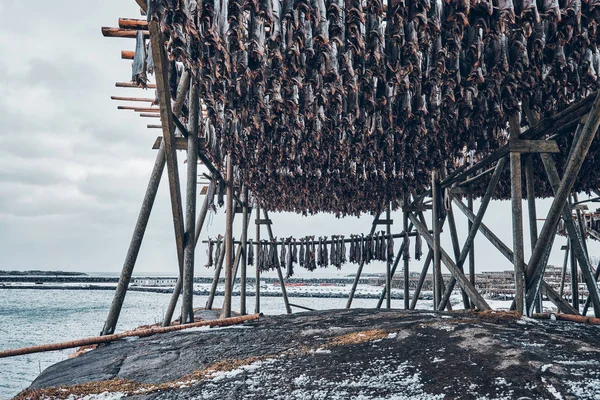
<point>31,317</point>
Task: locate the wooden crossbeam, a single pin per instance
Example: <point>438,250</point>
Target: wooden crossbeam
<point>146,115</point>
<point>141,99</point>
<point>143,5</point>
<point>151,126</point>
<point>180,143</point>
<point>127,54</point>
<point>139,109</point>
<point>532,146</point>
<point>383,222</point>
<point>263,222</point>
<point>131,85</point>
<point>122,33</point>
<point>133,23</point>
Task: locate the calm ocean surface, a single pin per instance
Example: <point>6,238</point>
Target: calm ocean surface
<point>34,317</point>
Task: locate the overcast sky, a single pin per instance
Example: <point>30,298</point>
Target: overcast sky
<point>73,169</point>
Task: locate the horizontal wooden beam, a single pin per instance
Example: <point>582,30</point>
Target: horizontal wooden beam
<point>138,109</point>
<point>143,99</point>
<point>532,146</point>
<point>145,115</point>
<point>383,222</point>
<point>133,23</point>
<point>122,33</point>
<point>180,143</point>
<point>416,207</point>
<point>131,85</point>
<point>150,126</point>
<point>263,222</point>
<point>127,54</point>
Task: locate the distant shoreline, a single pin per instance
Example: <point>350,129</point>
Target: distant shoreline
<point>37,272</point>
<point>396,296</point>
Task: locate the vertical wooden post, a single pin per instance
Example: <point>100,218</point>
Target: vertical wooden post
<point>437,264</point>
<point>456,248</point>
<point>256,262</point>
<point>472,249</point>
<point>382,296</point>
<point>187,309</point>
<point>406,264</point>
<point>516,195</point>
<point>136,242</point>
<point>286,302</point>
<point>533,233</point>
<point>388,265</point>
<point>574,279</point>
<point>564,269</point>
<point>226,313</point>
<point>244,252</point>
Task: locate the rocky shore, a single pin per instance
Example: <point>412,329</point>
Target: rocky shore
<point>344,354</point>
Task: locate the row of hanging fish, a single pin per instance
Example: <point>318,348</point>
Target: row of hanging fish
<point>310,252</point>
<point>312,97</point>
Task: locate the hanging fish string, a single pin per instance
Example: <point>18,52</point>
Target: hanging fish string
<point>312,253</point>
<point>313,97</point>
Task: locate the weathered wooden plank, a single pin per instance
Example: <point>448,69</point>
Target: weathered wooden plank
<point>131,85</point>
<point>263,221</point>
<point>133,23</point>
<point>127,54</point>
<point>383,222</point>
<point>180,143</point>
<point>532,146</point>
<point>164,98</point>
<point>141,99</point>
<point>122,33</point>
<point>516,196</point>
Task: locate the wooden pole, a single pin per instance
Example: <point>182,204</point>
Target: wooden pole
<point>535,268</point>
<point>472,250</point>
<point>456,248</point>
<point>360,268</point>
<point>587,300</point>
<point>533,233</point>
<point>256,262</point>
<point>577,241</point>
<point>485,201</point>
<point>574,278</point>
<point>564,269</point>
<point>166,116</point>
<point>131,85</point>
<point>215,282</point>
<point>244,252</point>
<point>187,309</point>
<point>516,193</point>
<point>288,309</point>
<point>113,337</point>
<point>406,265</point>
<point>388,266</point>
<point>437,265</point>
<point>228,240</point>
<point>135,243</point>
<point>382,296</point>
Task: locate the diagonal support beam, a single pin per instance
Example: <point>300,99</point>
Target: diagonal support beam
<point>562,305</point>
<point>168,127</point>
<point>579,153</point>
<point>288,309</point>
<point>575,235</point>
<point>360,268</point>
<point>459,276</point>
<point>485,201</point>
